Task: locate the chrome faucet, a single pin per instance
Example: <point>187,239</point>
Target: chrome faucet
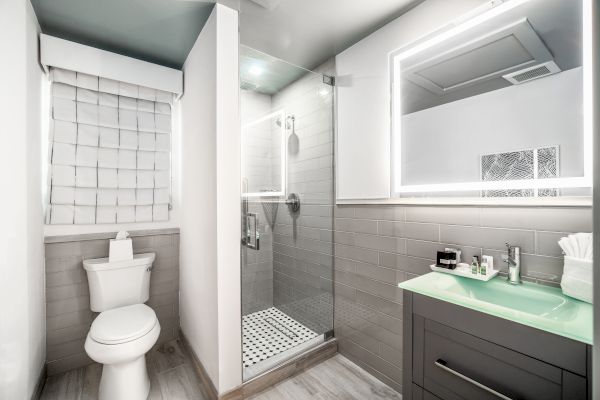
<point>513,260</point>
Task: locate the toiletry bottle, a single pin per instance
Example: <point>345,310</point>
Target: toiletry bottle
<point>483,269</point>
<point>490,262</point>
<point>475,265</point>
<point>451,260</point>
<point>442,259</point>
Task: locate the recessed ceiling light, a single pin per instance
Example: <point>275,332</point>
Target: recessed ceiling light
<point>255,70</point>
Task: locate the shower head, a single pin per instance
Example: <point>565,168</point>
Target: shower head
<point>288,124</point>
<point>290,121</point>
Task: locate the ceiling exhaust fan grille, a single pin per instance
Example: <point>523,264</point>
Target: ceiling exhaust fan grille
<point>532,73</point>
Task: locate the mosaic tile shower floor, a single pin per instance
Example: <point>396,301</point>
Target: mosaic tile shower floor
<point>270,337</point>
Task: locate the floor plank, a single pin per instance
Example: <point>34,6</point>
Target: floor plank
<point>66,386</point>
<point>91,382</point>
<point>335,378</point>
<point>167,356</point>
<point>180,383</point>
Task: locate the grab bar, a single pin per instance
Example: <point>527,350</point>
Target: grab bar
<point>443,365</point>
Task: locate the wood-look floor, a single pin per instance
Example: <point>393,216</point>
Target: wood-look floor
<point>334,379</point>
<point>172,377</point>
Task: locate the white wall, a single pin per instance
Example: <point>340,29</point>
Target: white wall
<point>210,200</point>
<point>228,200</point>
<point>22,307</point>
<point>363,94</point>
<point>198,242</point>
<point>443,144</point>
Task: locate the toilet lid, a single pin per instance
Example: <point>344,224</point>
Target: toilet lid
<point>123,324</point>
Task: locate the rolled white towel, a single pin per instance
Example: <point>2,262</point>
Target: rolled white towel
<point>579,245</point>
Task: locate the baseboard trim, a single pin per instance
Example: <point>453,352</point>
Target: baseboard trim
<point>208,388</point>
<point>290,368</point>
<point>39,387</point>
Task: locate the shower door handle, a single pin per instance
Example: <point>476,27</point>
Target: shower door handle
<point>252,237</point>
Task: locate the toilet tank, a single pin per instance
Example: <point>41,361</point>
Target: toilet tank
<point>118,284</point>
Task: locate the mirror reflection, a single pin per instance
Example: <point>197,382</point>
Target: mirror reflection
<point>502,100</point>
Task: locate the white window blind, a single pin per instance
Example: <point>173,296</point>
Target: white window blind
<point>110,151</point>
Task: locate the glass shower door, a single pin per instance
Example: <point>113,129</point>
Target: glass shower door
<point>287,208</point>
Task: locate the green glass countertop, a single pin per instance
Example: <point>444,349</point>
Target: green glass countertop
<point>530,304</point>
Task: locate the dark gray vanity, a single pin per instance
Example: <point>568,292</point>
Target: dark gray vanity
<point>453,352</point>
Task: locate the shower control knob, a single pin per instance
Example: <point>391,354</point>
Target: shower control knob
<point>293,202</point>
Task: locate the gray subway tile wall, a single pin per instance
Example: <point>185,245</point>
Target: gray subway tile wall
<point>68,314</point>
<point>257,265</point>
<point>377,247</point>
<point>303,241</point>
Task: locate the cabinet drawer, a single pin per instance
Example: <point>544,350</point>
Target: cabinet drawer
<point>419,394</point>
<point>456,365</point>
<point>556,350</point>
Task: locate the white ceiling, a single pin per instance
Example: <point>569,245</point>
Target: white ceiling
<point>308,32</point>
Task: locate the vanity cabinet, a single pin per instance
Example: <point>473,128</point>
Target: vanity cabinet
<point>455,353</point>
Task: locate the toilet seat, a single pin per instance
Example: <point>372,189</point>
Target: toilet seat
<point>123,324</point>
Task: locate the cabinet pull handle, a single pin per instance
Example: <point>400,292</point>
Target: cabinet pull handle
<point>443,365</point>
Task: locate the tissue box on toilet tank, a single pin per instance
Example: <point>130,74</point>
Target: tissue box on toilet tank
<point>120,250</point>
<point>577,278</point>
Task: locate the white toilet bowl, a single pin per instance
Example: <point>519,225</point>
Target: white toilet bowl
<point>119,339</point>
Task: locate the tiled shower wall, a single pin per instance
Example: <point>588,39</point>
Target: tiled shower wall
<point>260,143</point>
<point>378,246</point>
<point>68,314</point>
<point>302,241</point>
<point>257,265</point>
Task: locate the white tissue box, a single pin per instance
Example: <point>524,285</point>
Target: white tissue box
<point>577,278</point>
<point>120,250</point>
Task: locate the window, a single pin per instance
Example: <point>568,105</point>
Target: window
<point>110,146</point>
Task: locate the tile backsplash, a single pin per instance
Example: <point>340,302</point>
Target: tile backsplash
<point>378,246</point>
<point>68,314</point>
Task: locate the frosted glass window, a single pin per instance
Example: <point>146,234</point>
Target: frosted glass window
<point>110,151</point>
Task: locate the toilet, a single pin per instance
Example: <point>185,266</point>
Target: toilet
<point>126,328</point>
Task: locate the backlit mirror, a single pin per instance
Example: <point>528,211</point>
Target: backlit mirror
<point>496,105</point>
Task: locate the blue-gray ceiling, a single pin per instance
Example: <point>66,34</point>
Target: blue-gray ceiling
<point>158,31</point>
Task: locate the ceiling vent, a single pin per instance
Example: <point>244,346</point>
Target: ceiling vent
<point>531,73</point>
<point>245,85</point>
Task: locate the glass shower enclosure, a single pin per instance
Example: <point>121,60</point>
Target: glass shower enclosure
<point>287,210</point>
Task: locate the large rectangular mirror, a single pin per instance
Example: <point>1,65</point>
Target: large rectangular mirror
<point>497,105</point>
